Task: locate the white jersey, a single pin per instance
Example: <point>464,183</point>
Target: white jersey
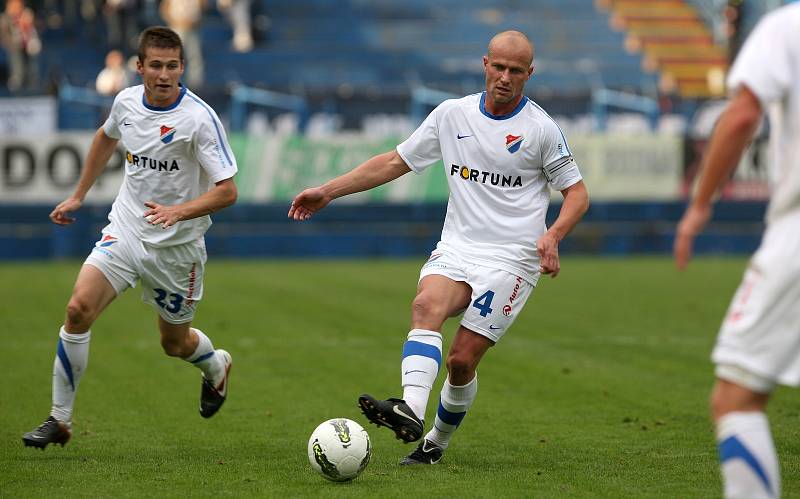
<point>769,65</point>
<point>173,155</point>
<point>499,170</point>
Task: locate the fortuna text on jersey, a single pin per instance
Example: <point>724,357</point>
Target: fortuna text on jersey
<point>152,163</point>
<point>483,177</point>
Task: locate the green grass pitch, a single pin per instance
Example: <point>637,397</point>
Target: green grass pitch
<point>599,390</point>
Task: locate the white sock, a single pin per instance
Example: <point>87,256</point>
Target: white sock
<point>422,356</point>
<point>204,357</point>
<point>453,405</point>
<point>747,455</point>
<point>72,356</point>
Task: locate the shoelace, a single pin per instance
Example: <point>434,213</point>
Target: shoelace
<point>420,453</point>
<point>46,424</point>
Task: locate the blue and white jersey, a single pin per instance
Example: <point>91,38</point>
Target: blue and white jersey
<point>499,170</point>
<point>173,155</point>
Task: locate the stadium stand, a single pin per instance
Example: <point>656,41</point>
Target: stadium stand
<point>368,65</point>
<point>674,40</point>
<point>359,57</point>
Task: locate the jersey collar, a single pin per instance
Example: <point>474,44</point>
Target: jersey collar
<point>502,116</point>
<point>167,108</point>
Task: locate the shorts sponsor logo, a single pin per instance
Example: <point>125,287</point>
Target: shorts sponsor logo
<point>513,142</point>
<point>192,281</point>
<point>482,177</point>
<point>507,308</point>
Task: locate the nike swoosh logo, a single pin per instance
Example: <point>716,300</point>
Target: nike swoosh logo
<point>415,371</point>
<point>401,413</point>
<point>126,124</point>
<point>492,327</point>
<point>459,136</point>
<point>38,437</point>
<point>222,387</point>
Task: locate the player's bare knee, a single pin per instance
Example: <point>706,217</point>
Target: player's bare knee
<point>717,405</point>
<point>427,314</point>
<point>79,314</point>
<point>460,368</point>
<point>727,397</point>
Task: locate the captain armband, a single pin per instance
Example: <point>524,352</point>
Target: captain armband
<point>560,169</point>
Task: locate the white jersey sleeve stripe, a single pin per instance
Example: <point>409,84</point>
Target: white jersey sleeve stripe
<point>221,142</point>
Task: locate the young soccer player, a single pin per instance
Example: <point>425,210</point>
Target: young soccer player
<point>179,169</point>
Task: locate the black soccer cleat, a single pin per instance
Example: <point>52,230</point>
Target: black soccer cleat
<point>52,431</point>
<point>425,453</point>
<point>394,414</point>
<point>213,395</point>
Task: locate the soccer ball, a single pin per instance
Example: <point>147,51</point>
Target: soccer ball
<point>339,449</point>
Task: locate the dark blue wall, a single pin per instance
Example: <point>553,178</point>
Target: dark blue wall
<point>343,230</point>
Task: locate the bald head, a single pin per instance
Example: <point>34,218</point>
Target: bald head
<point>511,42</point>
<point>508,64</point>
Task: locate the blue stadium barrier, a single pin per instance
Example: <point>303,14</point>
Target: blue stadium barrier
<point>384,230</point>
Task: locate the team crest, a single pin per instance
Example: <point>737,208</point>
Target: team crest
<point>513,142</point>
<point>167,134</point>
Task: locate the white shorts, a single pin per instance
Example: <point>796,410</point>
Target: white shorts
<point>498,296</point>
<point>761,331</point>
<point>172,277</point>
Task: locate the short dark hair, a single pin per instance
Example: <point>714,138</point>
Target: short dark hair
<point>159,37</point>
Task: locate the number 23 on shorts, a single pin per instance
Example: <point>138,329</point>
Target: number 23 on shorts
<point>174,303</point>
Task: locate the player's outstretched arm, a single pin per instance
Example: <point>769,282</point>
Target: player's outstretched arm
<point>576,202</point>
<point>731,136</point>
<point>99,153</point>
<point>376,171</point>
<point>222,195</point>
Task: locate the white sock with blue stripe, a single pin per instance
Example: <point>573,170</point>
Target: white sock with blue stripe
<point>422,356</point>
<point>454,402</point>
<point>747,456</point>
<point>203,356</point>
<point>72,356</point>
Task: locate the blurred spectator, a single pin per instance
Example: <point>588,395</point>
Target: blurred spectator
<point>114,77</point>
<point>57,13</point>
<point>121,25</point>
<point>238,14</point>
<point>148,14</point>
<point>734,12</point>
<point>184,17</point>
<point>21,42</point>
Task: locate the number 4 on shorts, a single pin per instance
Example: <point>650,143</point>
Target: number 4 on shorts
<point>484,303</point>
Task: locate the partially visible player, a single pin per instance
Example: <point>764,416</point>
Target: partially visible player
<point>758,346</point>
<point>179,169</point>
<point>502,154</point>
